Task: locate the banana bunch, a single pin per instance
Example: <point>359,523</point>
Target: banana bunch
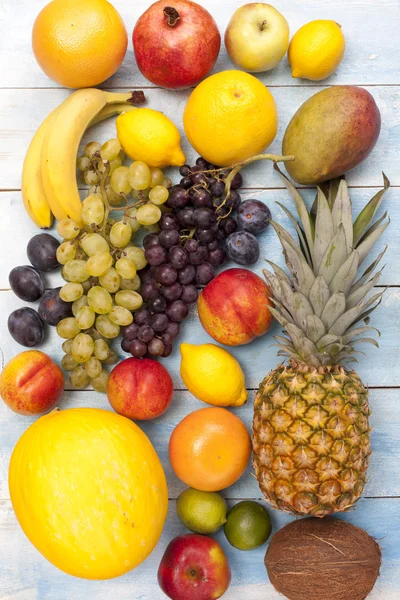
<point>49,185</point>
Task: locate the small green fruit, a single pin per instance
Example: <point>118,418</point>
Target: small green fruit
<point>201,512</point>
<point>248,525</point>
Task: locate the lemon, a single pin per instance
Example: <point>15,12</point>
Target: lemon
<point>229,117</point>
<point>201,512</point>
<point>248,525</point>
<point>316,50</point>
<point>148,135</point>
<point>213,375</point>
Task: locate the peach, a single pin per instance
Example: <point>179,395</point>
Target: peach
<point>234,307</point>
<point>140,388</point>
<point>31,383</point>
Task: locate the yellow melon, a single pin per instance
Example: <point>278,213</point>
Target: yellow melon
<point>89,491</point>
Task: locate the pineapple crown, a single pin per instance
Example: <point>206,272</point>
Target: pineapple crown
<point>321,308</point>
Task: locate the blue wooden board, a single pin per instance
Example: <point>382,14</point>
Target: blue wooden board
<point>26,97</point>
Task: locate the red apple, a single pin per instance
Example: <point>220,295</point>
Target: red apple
<point>176,43</point>
<point>140,388</point>
<point>234,307</point>
<point>194,567</point>
<point>31,384</point>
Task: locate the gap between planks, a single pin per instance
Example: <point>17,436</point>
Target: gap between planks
<point>150,87</point>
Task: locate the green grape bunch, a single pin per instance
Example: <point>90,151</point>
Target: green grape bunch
<point>100,263</point>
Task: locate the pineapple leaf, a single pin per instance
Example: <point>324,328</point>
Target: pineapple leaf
<point>284,312</point>
<point>283,341</point>
<point>303,275</point>
<point>366,341</point>
<point>277,315</point>
<point>326,340</point>
<point>278,271</point>
<point>284,236</point>
<point>373,228</point>
<point>300,207</point>
<point>367,272</point>
<point>342,213</point>
<point>353,333</point>
<point>273,284</point>
<point>315,328</point>
<point>319,295</point>
<point>334,256</point>
<point>333,190</point>
<point>345,276</point>
<point>356,297</point>
<point>364,317</point>
<point>324,230</point>
<point>301,309</point>
<point>334,308</point>
<point>368,212</point>
<point>346,319</point>
<point>300,233</point>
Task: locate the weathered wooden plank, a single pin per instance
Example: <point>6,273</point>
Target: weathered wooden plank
<point>24,110</point>
<point>26,575</point>
<point>383,475</point>
<point>370,29</point>
<point>16,229</point>
<point>378,368</point>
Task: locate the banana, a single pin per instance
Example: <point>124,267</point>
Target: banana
<point>60,147</point>
<point>33,193</point>
<point>110,110</point>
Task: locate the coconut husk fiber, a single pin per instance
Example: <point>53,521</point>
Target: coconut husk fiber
<point>323,559</point>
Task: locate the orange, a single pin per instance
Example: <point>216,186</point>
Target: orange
<point>209,449</point>
<point>79,43</point>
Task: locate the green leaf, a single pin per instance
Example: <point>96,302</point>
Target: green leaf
<point>327,340</point>
<point>348,318</point>
<point>283,235</point>
<point>366,341</point>
<point>356,331</point>
<point>315,328</point>
<point>334,308</point>
<point>335,255</point>
<point>367,272</point>
<point>301,309</point>
<point>319,295</point>
<point>303,275</point>
<point>300,207</point>
<point>299,233</point>
<point>278,271</point>
<point>368,212</point>
<point>359,294</point>
<point>324,230</point>
<point>342,213</point>
<point>345,276</point>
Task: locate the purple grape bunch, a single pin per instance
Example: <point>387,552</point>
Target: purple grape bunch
<point>197,235</point>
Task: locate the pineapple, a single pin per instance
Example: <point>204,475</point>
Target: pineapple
<point>311,436</point>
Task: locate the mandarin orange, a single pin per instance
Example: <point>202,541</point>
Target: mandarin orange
<point>79,44</point>
<point>209,449</point>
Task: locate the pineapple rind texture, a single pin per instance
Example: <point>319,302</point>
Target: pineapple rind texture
<point>311,442</point>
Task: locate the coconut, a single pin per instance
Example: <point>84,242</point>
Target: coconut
<point>323,559</point>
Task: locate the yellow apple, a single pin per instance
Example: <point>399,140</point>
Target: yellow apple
<point>257,37</point>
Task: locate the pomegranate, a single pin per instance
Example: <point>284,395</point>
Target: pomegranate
<point>176,43</point>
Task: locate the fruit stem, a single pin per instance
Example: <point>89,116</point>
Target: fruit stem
<point>172,15</point>
<point>262,26</point>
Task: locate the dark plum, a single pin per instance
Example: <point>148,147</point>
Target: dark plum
<point>253,216</point>
<point>27,283</point>
<point>242,247</point>
<point>26,327</point>
<point>52,309</point>
<point>41,251</point>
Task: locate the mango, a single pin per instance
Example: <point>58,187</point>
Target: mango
<point>331,133</point>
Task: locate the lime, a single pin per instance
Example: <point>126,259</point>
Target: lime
<point>201,512</point>
<point>248,525</point>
